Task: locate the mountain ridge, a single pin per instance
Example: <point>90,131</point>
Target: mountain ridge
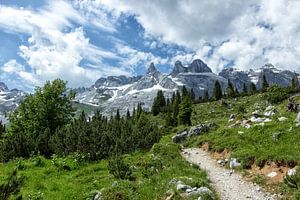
<point>124,93</point>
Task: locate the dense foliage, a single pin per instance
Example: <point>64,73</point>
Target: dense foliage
<point>36,120</point>
<point>276,94</point>
<point>12,186</point>
<point>217,91</point>
<point>178,110</point>
<point>43,124</point>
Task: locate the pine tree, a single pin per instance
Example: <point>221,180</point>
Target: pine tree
<point>236,93</point>
<point>193,95</point>
<point>128,114</point>
<point>184,92</point>
<point>230,89</point>
<point>185,111</point>
<point>252,88</point>
<point>245,90</point>
<point>175,108</point>
<point>265,84</point>
<point>118,116</point>
<point>2,129</point>
<point>206,96</point>
<point>159,103</point>
<point>295,83</point>
<point>217,91</point>
<point>139,110</point>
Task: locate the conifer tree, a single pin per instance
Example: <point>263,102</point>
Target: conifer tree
<point>217,91</point>
<point>230,89</point>
<point>118,116</point>
<point>252,88</point>
<point>193,95</point>
<point>265,84</point>
<point>128,114</point>
<point>236,92</point>
<point>139,110</point>
<point>2,129</point>
<point>159,103</point>
<point>184,92</point>
<point>206,96</point>
<point>185,111</point>
<point>245,90</point>
<point>295,83</point>
<point>175,108</point>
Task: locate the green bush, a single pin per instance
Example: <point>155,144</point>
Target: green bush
<point>276,94</point>
<point>12,186</point>
<point>119,169</point>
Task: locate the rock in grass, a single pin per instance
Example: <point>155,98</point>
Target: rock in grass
<point>292,172</point>
<point>201,191</point>
<point>275,136</point>
<point>97,196</point>
<point>298,118</point>
<point>281,119</point>
<point>180,136</point>
<point>272,174</point>
<point>234,163</point>
<point>183,187</point>
<point>269,113</point>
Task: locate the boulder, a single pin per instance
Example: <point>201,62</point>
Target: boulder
<point>256,119</point>
<point>298,118</point>
<point>256,112</point>
<point>270,113</point>
<point>292,172</point>
<point>272,174</point>
<point>179,137</point>
<point>269,108</point>
<point>281,119</point>
<point>183,187</point>
<point>201,191</point>
<point>198,130</point>
<point>97,196</point>
<point>231,117</point>
<point>234,163</point>
<point>275,136</point>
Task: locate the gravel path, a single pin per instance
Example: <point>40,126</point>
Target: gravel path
<point>229,186</point>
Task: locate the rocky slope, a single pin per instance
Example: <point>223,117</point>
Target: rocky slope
<point>273,76</point>
<point>120,92</point>
<point>124,93</point>
<point>9,100</point>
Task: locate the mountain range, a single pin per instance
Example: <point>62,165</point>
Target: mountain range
<point>120,92</point>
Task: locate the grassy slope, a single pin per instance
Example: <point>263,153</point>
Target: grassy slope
<point>255,144</point>
<point>44,179</point>
<point>256,141</point>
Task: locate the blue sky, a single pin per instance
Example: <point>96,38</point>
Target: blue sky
<point>83,40</point>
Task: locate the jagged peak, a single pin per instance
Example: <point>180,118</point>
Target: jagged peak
<point>3,87</point>
<point>151,69</point>
<point>198,66</point>
<point>178,68</point>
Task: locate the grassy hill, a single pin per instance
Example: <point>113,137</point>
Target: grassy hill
<point>261,147</point>
<point>73,178</point>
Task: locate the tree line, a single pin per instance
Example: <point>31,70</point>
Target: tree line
<point>178,109</point>
<point>44,124</point>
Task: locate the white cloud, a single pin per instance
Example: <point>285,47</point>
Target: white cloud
<point>249,33</point>
<point>55,47</point>
<point>132,58</point>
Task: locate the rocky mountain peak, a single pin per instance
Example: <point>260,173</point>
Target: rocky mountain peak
<point>198,66</point>
<point>3,87</point>
<point>178,68</point>
<point>151,69</point>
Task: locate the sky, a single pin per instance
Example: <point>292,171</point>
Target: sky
<point>80,41</point>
